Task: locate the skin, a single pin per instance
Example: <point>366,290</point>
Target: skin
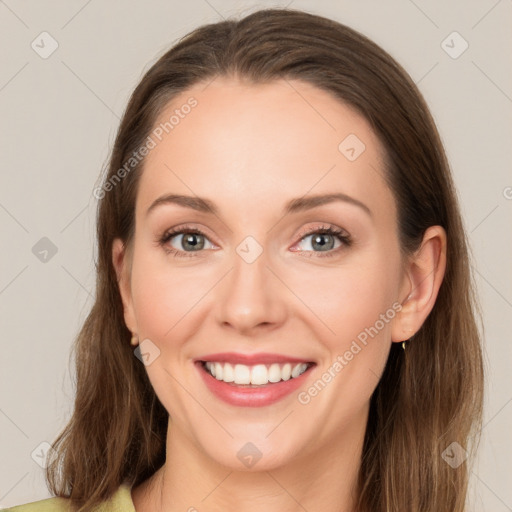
<point>249,149</point>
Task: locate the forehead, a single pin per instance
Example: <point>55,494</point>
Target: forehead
<point>261,143</point>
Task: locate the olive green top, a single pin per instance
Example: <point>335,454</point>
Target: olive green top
<point>121,501</point>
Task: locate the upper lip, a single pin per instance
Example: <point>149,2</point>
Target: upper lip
<point>251,359</point>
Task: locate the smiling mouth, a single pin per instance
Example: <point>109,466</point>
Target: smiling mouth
<point>254,376</point>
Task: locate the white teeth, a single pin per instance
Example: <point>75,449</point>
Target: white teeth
<point>211,368</point>
<point>274,373</point>
<point>286,371</point>
<point>297,370</point>
<point>228,373</point>
<point>257,375</point>
<point>242,374</point>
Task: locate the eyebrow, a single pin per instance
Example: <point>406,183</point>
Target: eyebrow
<point>306,203</point>
<point>293,206</point>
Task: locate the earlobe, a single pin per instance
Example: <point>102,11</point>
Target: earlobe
<point>121,266</point>
<point>425,273</point>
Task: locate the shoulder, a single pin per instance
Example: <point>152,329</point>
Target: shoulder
<point>50,504</point>
<point>121,501</point>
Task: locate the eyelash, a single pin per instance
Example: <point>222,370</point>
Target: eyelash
<point>340,234</point>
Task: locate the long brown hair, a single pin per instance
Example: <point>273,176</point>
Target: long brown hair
<point>426,399</point>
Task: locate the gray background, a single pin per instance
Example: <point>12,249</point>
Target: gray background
<point>59,118</point>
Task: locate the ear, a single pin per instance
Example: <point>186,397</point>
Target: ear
<point>424,274</point>
<point>121,259</point>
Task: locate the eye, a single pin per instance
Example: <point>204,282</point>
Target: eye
<point>324,240</point>
<point>184,241</point>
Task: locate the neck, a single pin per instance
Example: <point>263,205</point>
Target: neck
<point>324,479</point>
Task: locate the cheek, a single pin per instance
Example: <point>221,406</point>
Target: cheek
<point>348,298</point>
<point>337,301</point>
<point>164,294</point>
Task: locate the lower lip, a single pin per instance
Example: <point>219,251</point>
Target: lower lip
<point>251,397</point>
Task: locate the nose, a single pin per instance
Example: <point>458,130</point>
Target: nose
<point>251,298</point>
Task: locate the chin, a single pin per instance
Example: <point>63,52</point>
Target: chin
<point>252,453</point>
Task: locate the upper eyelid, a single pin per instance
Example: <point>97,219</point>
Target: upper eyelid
<point>180,230</point>
<point>204,231</point>
<point>339,233</point>
<point>324,227</point>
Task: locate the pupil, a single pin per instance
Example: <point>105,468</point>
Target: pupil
<point>190,240</point>
<point>318,240</point>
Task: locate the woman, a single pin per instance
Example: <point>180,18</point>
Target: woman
<point>279,239</point>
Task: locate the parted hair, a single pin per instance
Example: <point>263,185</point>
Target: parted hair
<point>427,398</point>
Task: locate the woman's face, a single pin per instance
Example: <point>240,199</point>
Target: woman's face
<point>260,275</point>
